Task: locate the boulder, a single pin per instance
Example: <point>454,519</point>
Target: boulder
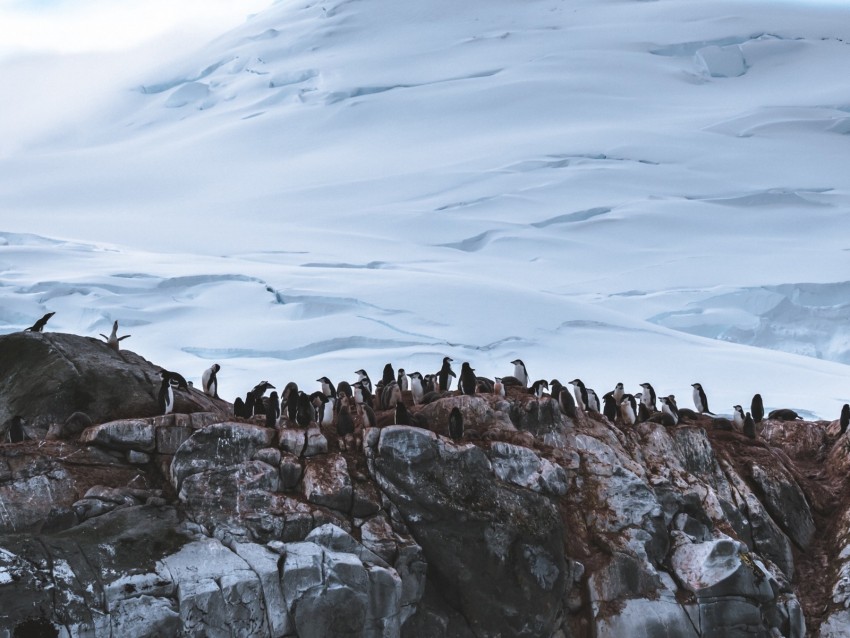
<point>326,482</point>
<point>49,375</point>
<point>494,549</point>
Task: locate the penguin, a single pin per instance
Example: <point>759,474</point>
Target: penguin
<point>113,339</point>
<point>783,414</point>
<point>498,388</point>
<point>700,400</point>
<point>260,389</point>
<point>209,380</point>
<point>610,408</point>
<point>416,387</point>
<point>289,401</point>
<point>648,396</point>
<point>429,383</point>
<point>456,424</point>
<point>364,380</point>
<point>328,409</point>
<point>592,401</point>
<point>628,405</point>
<point>757,406</point>
<point>327,387</point>
<point>738,417</point>
<point>344,387</point>
<point>580,392</point>
<point>239,407</point>
<point>483,385</point>
<point>16,429</point>
<point>669,408</point>
<point>390,396</point>
<point>272,410</point>
<point>520,372</point>
<point>555,388</point>
<point>388,375</point>
<point>402,380</point>
<point>749,427</point>
<point>344,425</point>
<point>361,393</point>
<point>619,392</point>
<point>402,416</point>
<point>721,423</point>
<point>176,379</point>
<point>845,418</point>
<point>443,377</point>
<point>305,412</point>
<point>165,398</point>
<point>566,403</point>
<point>259,405</point>
<point>467,382</point>
<point>538,387</point>
<point>38,326</point>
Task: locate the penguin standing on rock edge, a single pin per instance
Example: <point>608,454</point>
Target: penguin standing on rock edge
<point>209,380</point>
<point>700,399</point>
<point>520,372</point>
<point>443,377</point>
<point>467,381</point>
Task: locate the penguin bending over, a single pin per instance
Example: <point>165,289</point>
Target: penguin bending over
<point>209,380</point>
<point>783,414</point>
<point>305,412</point>
<point>538,387</point>
<point>165,398</point>
<point>669,408</point>
<point>113,339</point>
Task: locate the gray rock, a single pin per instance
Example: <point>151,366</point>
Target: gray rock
<point>126,434</point>
<point>50,375</point>
<point>138,458</point>
<point>496,550</point>
<point>316,442</point>
<point>523,467</point>
<point>170,438</point>
<point>293,441</point>
<point>785,502</point>
<point>268,455</point>
<point>290,472</point>
<point>216,446</point>
<point>326,482</point>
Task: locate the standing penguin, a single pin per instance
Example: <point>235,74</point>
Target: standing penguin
<point>364,380</point>
<point>402,416</point>
<point>619,392</point>
<point>700,400</point>
<point>456,424</point>
<point>344,425</point>
<point>580,393</point>
<point>498,387</point>
<point>289,401</point>
<point>610,408</point>
<point>566,403</point>
<point>209,380</point>
<point>445,374</point>
<point>327,387</point>
<point>628,409</point>
<point>416,388</point>
<point>165,398</point>
<point>749,427</point>
<point>648,397</point>
<point>738,417</point>
<point>757,406</point>
<point>592,400</point>
<point>402,380</point>
<point>844,421</point>
<point>272,410</point>
<point>16,430</point>
<point>305,412</point>
<point>388,375</point>
<point>520,372</point>
<point>113,339</point>
<point>467,381</point>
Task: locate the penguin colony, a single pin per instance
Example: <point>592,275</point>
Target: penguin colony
<point>339,404</point>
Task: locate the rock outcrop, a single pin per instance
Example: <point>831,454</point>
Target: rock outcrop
<point>48,376</point>
<point>532,525</point>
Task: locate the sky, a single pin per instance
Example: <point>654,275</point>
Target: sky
<point>85,26</point>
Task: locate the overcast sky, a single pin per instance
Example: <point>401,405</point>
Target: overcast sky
<point>75,26</point>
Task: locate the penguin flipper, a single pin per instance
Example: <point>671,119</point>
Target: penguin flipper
<point>124,337</point>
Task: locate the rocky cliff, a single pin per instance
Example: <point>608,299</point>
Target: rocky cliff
<point>534,524</point>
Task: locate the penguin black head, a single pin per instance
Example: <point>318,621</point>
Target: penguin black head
<point>215,366</point>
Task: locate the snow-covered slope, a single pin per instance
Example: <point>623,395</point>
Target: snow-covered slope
<point>335,185</point>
